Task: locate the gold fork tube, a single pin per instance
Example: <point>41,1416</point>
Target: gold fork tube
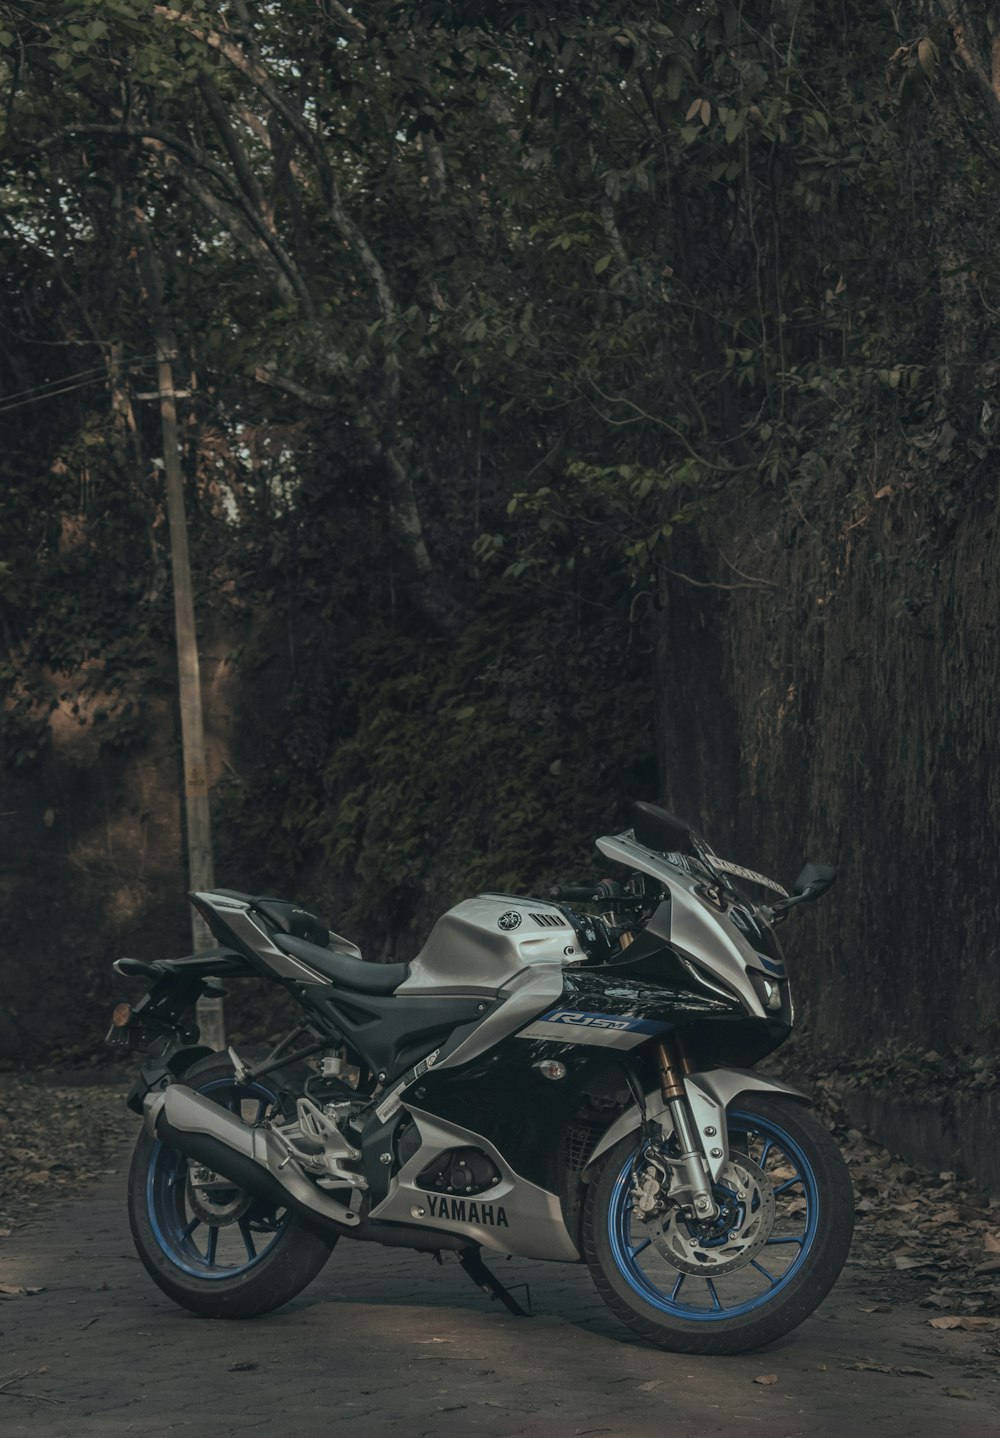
<point>672,1070</point>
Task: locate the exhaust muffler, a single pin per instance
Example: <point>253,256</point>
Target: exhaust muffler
<point>256,1160</point>
<point>253,1158</point>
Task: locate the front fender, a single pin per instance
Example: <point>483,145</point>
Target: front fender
<point>709,1095</point>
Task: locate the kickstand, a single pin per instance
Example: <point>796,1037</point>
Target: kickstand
<point>482,1277</point>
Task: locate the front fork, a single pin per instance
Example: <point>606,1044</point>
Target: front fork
<point>690,1182</point>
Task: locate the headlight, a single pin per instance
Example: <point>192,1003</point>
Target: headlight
<point>768,990</point>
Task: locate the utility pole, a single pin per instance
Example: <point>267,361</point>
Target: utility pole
<point>196,811</point>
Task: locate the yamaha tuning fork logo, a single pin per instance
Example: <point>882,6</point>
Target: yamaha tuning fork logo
<point>509,920</point>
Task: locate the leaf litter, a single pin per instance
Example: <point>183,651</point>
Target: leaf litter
<point>54,1141</point>
<point>917,1229</point>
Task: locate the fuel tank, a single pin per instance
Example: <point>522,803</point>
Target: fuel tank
<point>483,942</point>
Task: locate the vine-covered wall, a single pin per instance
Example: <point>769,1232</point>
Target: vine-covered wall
<point>576,404</point>
<point>853,719</point>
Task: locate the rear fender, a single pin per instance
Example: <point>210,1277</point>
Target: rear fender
<point>160,1072</point>
<point>709,1095</point>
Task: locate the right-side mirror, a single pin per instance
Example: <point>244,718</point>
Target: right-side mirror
<point>814,880</point>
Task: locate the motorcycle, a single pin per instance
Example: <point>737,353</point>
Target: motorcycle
<point>567,1078</point>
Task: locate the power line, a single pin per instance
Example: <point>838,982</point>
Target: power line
<point>63,379</point>
<point>67,384</point>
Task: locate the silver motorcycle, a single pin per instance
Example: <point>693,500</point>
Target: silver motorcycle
<point>567,1078</point>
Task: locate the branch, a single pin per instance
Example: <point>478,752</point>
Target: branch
<point>160,142</point>
<point>711,584</point>
<point>402,494</point>
<point>311,397</point>
<point>967,49</point>
<point>654,419</point>
<point>754,579</point>
<point>351,21</point>
<point>255,123</point>
<point>437,179</point>
<point>234,149</point>
<point>233,222</point>
<point>259,78</point>
<point>261,81</point>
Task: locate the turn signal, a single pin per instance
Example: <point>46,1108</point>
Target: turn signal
<point>120,1015</point>
<point>550,1069</point>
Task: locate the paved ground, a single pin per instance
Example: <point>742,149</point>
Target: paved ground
<point>387,1343</point>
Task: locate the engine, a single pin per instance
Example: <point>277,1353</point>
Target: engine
<point>460,1170</point>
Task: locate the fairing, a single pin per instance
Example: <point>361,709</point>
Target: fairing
<point>710,923</point>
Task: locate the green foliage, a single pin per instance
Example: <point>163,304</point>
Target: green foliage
<point>480,309</point>
<point>446,768</point>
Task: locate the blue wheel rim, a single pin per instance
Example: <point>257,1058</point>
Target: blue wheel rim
<point>192,1243</point>
<point>713,1298</point>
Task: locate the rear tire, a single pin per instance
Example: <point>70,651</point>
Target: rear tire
<point>743,1282</point>
<point>218,1252</point>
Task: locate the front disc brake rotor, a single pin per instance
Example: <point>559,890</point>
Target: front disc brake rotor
<point>214,1199</point>
<point>745,1196</point>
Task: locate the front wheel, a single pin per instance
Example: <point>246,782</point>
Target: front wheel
<point>209,1245</point>
<point>763,1265</point>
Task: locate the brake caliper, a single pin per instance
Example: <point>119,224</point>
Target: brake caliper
<point>650,1185</point>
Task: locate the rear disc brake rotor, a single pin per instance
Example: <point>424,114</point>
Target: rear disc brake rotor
<point>215,1200</point>
<point>745,1196</point>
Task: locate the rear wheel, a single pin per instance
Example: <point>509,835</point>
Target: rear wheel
<point>209,1245</point>
<point>770,1257</point>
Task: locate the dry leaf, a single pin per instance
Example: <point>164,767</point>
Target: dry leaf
<point>913,1373</point>
<point>966,1322</point>
<point>865,1365</point>
<point>947,1215</point>
<point>693,109</point>
<point>877,1308</point>
<point>991,1242</point>
<point>766,1379</point>
<point>956,1393</point>
<point>10,1290</point>
<point>903,1261</point>
<point>884,492</point>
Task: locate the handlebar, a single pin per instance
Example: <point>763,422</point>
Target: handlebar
<point>592,894</point>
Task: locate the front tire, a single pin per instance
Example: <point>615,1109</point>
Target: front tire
<point>770,1259</point>
<point>215,1249</point>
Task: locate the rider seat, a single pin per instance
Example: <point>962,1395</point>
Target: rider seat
<point>343,969</point>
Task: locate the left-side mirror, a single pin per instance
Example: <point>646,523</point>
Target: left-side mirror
<point>814,880</point>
